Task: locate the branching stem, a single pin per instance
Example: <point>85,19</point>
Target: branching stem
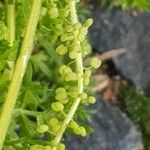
<point>79,66</point>
<point>19,71</point>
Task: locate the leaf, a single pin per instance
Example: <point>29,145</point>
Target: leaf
<point>27,128</point>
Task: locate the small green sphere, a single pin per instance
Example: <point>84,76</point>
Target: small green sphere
<point>60,146</point>
<point>61,49</point>
<point>53,13</point>
<point>42,128</point>
<point>91,100</point>
<point>95,62</point>
<point>57,106</point>
<point>53,121</point>
<point>37,147</point>
<point>73,54</point>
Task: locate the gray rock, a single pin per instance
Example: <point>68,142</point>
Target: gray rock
<point>112,131</point>
<point>116,29</point>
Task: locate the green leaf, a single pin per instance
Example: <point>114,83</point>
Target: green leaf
<point>27,128</point>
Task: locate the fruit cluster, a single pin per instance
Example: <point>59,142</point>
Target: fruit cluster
<point>72,73</point>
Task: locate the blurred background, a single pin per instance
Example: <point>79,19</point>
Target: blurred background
<point>120,37</point>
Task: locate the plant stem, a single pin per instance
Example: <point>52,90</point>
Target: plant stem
<point>19,71</point>
<point>11,29</point>
<point>11,22</point>
<point>79,66</point>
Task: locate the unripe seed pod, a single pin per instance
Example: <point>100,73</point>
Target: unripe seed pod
<point>86,81</point>
<point>77,26</point>
<point>47,148</point>
<point>60,90</point>
<point>73,125</point>
<point>77,131</point>
<point>81,37</point>
<point>60,146</point>
<point>57,106</point>
<point>60,96</point>
<point>83,30</point>
<point>74,93</point>
<point>95,62</point>
<point>91,100</point>
<point>53,121</point>
<point>63,101</point>
<point>73,54</point>
<point>56,128</point>
<point>61,49</point>
<point>88,23</point>
<point>53,13</point>
<point>36,147</point>
<point>65,13</point>
<point>70,38</point>
<point>87,73</point>
<point>61,69</point>
<point>82,131</point>
<point>76,47</point>
<point>64,38</point>
<point>83,96</point>
<point>71,76</point>
<point>69,28</point>
<point>42,128</point>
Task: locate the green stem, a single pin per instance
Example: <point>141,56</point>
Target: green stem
<point>11,29</point>
<point>11,22</point>
<point>19,71</point>
<point>79,66</point>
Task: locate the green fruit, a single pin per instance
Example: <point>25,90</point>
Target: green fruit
<point>64,38</point>
<point>63,70</point>
<point>95,62</point>
<point>83,30</point>
<point>77,26</point>
<point>91,100</point>
<point>60,146</point>
<point>83,96</point>
<point>47,148</point>
<point>57,106</point>
<point>71,76</point>
<point>37,147</point>
<point>53,13</point>
<point>42,128</point>
<point>76,47</point>
<point>87,73</point>
<point>60,96</point>
<point>60,90</point>
<point>61,49</point>
<point>69,29</point>
<point>73,125</point>
<point>56,128</point>
<point>73,54</point>
<point>88,23</point>
<point>53,121</point>
<point>86,81</point>
<point>77,131</point>
<point>82,131</point>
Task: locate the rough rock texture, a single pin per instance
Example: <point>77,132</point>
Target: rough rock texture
<point>112,131</point>
<point>116,29</point>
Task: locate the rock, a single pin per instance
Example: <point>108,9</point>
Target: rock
<point>112,131</point>
<point>118,29</point>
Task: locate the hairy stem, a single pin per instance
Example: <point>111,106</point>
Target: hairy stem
<point>79,66</point>
<point>19,71</point>
<point>11,22</point>
<point>11,30</point>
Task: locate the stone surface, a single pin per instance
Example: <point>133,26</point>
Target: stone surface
<point>112,131</point>
<point>116,29</point>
